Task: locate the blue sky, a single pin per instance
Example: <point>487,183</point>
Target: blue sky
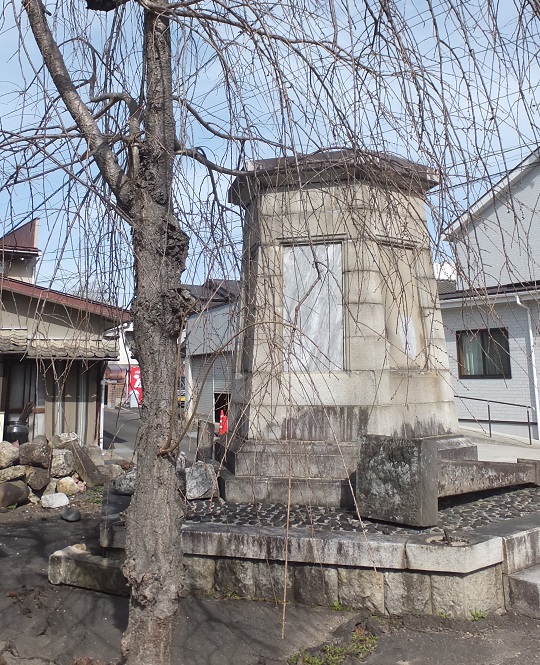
<point>472,117</point>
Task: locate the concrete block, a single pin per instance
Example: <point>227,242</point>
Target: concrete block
<point>407,593</point>
<point>364,286</point>
<point>74,566</point>
<point>200,572</point>
<point>396,480</point>
<point>361,589</point>
<point>466,552</point>
<point>269,543</point>
<point>522,592</point>
<point>521,541</point>
<point>270,581</point>
<point>112,533</point>
<point>463,476</point>
<point>460,595</point>
<point>366,352</point>
<point>235,577</point>
<point>365,319</point>
<point>316,585</point>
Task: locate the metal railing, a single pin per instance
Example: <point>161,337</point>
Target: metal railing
<point>489,402</point>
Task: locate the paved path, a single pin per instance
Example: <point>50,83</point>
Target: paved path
<point>501,448</point>
<point>120,429</point>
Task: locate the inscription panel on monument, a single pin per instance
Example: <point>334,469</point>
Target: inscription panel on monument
<point>313,308</point>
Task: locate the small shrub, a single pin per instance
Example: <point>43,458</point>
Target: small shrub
<point>476,615</point>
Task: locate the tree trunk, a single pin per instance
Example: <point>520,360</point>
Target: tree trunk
<point>154,558</point>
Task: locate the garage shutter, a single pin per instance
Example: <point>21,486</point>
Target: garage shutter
<point>218,381</point>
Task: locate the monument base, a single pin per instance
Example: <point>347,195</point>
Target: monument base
<point>322,473</point>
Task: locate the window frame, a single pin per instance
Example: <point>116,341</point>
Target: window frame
<point>483,334</point>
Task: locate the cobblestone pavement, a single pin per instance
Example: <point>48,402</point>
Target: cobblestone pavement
<point>464,513</point>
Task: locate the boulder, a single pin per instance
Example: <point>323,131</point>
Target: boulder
<point>33,498</point>
<point>13,493</point>
<point>125,484</point>
<point>63,440</point>
<point>62,463</point>
<point>83,465</point>
<point>36,453</point>
<point>201,481</point>
<point>9,454</point>
<point>12,473</point>
<point>126,464</point>
<point>95,454</point>
<point>58,500</point>
<point>68,486</point>
<point>51,487</point>
<point>111,471</point>
<point>37,478</point>
<point>71,514</point>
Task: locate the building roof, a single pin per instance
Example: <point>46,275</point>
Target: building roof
<point>331,165</point>
<point>490,291</point>
<point>494,194</point>
<point>115,314</point>
<point>90,347</point>
<point>214,292</point>
<point>22,240</point>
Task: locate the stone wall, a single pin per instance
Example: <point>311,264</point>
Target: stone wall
<point>384,591</point>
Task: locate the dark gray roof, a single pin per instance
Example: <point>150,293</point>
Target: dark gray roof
<point>214,292</point>
<point>446,286</point>
<point>325,165</point>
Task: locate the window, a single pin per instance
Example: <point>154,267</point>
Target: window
<point>313,306</point>
<point>484,354</point>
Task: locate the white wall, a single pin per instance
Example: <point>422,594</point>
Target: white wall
<point>519,388</point>
<point>503,245</point>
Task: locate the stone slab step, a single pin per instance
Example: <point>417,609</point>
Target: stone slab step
<point>298,459</point>
<point>520,538</point>
<point>522,592</point>
<point>303,491</point>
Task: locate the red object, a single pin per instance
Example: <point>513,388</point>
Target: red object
<point>135,383</point>
<point>223,423</point>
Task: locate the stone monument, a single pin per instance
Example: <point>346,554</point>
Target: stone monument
<point>341,369</point>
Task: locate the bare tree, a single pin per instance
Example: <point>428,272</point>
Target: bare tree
<point>135,98</point>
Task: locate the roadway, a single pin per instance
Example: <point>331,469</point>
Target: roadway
<point>120,427</point>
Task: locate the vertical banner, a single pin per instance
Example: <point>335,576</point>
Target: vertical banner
<point>135,383</point>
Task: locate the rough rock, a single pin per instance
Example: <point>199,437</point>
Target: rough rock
<point>83,465</point>
<point>125,484</point>
<point>12,473</point>
<point>58,500</point>
<point>33,498</point>
<point>201,481</point>
<point>9,454</point>
<point>71,514</point>
<point>10,656</point>
<point>13,493</point>
<point>51,487</point>
<point>37,478</point>
<point>65,439</point>
<point>35,454</point>
<point>62,463</point>
<point>68,486</point>
<point>111,471</point>
<point>95,454</point>
<point>124,463</point>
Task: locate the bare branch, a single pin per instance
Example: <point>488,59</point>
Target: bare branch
<point>55,64</point>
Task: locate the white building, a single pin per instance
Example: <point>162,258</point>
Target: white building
<point>492,317</point>
<point>210,339</point>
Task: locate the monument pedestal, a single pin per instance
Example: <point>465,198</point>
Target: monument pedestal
<point>341,334</point>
